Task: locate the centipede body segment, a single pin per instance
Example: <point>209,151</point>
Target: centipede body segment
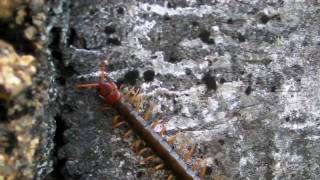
<point>129,112</point>
<point>157,143</point>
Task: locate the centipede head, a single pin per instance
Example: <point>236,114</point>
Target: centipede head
<point>108,90</point>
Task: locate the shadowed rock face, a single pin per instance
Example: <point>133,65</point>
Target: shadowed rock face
<point>240,79</point>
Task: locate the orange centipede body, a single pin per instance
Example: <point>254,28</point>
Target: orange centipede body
<point>109,92</point>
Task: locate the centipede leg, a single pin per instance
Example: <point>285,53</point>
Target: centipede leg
<point>188,155</point>
<point>196,165</point>
<point>148,113</point>
<point>163,131</point>
<point>127,134</point>
<point>170,177</point>
<point>149,158</point>
<point>202,173</point>
<point>173,138</point>
<point>142,151</point>
<point>159,167</point>
<point>138,103</point>
<point>136,145</point>
<point>154,124</point>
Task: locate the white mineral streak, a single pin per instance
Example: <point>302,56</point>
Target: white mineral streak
<point>179,11</point>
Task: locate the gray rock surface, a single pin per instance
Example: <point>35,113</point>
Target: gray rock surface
<point>239,78</point>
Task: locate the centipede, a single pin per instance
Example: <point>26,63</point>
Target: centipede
<point>128,105</point>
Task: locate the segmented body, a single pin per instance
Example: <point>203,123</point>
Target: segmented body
<point>159,145</point>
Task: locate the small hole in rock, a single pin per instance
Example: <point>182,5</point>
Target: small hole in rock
<point>166,18</point>
<point>148,75</point>
<point>230,21</point>
<point>205,37</point>
<point>221,142</point>
<point>222,80</point>
<point>195,23</point>
<point>188,71</point>
<point>248,90</point>
<point>171,5</point>
<point>109,29</point>
<point>264,19</point>
<point>210,81</point>
<point>174,58</point>
<point>132,76</point>
<point>120,10</point>
<point>287,119</point>
<point>241,38</point>
<point>114,41</point>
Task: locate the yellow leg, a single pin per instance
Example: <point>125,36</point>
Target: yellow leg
<point>140,153</point>
<point>173,138</point>
<point>127,134</point>
<point>148,113</point>
<point>159,167</point>
<point>163,131</point>
<point>171,177</point>
<point>136,145</point>
<point>154,124</point>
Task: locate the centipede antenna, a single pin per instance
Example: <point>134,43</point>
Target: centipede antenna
<point>106,108</point>
<point>102,72</point>
<point>89,85</point>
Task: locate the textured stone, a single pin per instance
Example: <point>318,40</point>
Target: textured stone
<point>240,78</point>
<point>23,122</point>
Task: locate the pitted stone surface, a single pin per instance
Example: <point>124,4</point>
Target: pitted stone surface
<point>240,78</point>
